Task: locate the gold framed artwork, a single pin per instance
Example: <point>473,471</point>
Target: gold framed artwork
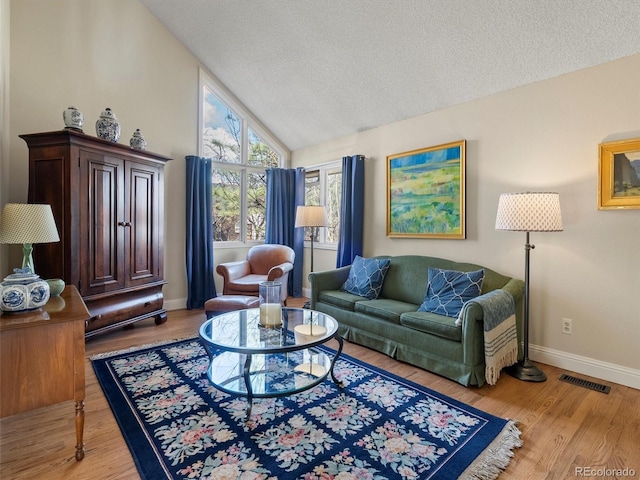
<point>426,192</point>
<point>619,175</point>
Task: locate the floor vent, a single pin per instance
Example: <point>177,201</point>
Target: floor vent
<point>585,383</point>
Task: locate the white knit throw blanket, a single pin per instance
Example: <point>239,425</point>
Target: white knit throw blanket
<point>500,335</point>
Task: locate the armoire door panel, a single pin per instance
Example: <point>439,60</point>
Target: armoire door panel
<point>141,206</point>
<point>105,237</point>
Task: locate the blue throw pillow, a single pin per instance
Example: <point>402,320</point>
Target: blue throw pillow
<point>366,277</point>
<point>448,290</point>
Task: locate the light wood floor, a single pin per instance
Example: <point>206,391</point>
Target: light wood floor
<point>564,427</point>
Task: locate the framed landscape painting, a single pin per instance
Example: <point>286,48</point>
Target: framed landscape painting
<point>619,175</point>
<point>426,192</point>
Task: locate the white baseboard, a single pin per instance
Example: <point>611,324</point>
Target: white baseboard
<point>611,372</point>
<point>176,304</point>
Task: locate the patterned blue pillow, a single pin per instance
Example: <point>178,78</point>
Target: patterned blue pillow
<point>366,277</point>
<point>447,290</point>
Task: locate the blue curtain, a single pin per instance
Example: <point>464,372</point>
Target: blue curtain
<point>285,191</point>
<point>351,210</point>
<point>199,229</point>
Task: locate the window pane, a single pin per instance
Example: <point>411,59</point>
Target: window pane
<point>256,205</point>
<point>222,130</point>
<point>226,205</point>
<point>334,193</point>
<point>240,159</point>
<point>312,188</point>
<point>261,154</point>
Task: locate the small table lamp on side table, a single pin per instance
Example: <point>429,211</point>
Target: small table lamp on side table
<point>26,224</point>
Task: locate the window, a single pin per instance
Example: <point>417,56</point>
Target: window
<point>241,154</point>
<point>323,186</point>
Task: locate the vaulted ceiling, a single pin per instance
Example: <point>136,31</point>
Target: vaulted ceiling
<point>316,70</point>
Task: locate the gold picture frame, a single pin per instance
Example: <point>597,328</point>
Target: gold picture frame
<point>426,192</point>
<point>619,175</point>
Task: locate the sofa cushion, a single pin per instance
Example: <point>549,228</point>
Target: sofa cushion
<point>340,299</point>
<point>366,277</point>
<point>385,308</point>
<point>439,325</point>
<point>447,290</point>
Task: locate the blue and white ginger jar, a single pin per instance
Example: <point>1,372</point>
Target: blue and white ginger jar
<point>107,126</point>
<point>137,140</point>
<point>23,290</point>
<point>73,118</point>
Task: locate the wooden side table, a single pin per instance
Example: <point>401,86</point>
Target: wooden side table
<point>42,358</point>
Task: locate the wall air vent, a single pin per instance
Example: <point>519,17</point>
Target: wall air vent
<point>585,383</point>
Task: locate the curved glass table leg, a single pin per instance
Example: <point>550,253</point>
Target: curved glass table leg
<point>247,382</point>
<point>335,357</point>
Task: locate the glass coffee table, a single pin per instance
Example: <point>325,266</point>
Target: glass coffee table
<point>257,361</point>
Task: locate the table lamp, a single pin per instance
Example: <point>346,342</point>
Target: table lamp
<point>27,223</point>
<point>528,212</point>
<point>311,216</point>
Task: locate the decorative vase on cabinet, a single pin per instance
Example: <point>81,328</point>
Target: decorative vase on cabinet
<point>112,255</point>
<point>73,118</point>
<point>138,141</point>
<point>107,126</point>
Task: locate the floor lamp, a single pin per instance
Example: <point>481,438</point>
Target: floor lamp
<point>311,216</point>
<point>528,212</point>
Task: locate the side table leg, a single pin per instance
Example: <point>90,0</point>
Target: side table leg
<point>79,430</point>
<point>335,357</point>
<point>247,382</point>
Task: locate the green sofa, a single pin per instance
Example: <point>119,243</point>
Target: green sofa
<point>392,324</point>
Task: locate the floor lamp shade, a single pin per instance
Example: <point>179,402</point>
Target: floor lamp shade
<point>311,216</point>
<point>26,224</point>
<point>528,212</point>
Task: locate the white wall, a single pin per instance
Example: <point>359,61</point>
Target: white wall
<point>541,137</point>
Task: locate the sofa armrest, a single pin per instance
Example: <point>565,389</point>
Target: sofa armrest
<point>233,270</point>
<point>473,316</point>
<point>279,271</point>
<point>327,280</point>
<point>516,288</point>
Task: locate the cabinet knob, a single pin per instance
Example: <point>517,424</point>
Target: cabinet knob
<point>124,224</point>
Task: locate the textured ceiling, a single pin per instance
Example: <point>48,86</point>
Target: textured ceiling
<point>312,71</point>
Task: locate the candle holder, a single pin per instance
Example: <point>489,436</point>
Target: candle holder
<point>309,332</point>
<point>270,308</point>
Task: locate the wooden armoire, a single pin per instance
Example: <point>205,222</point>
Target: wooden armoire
<point>108,203</point>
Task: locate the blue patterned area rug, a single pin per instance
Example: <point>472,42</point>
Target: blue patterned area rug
<point>378,426</point>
